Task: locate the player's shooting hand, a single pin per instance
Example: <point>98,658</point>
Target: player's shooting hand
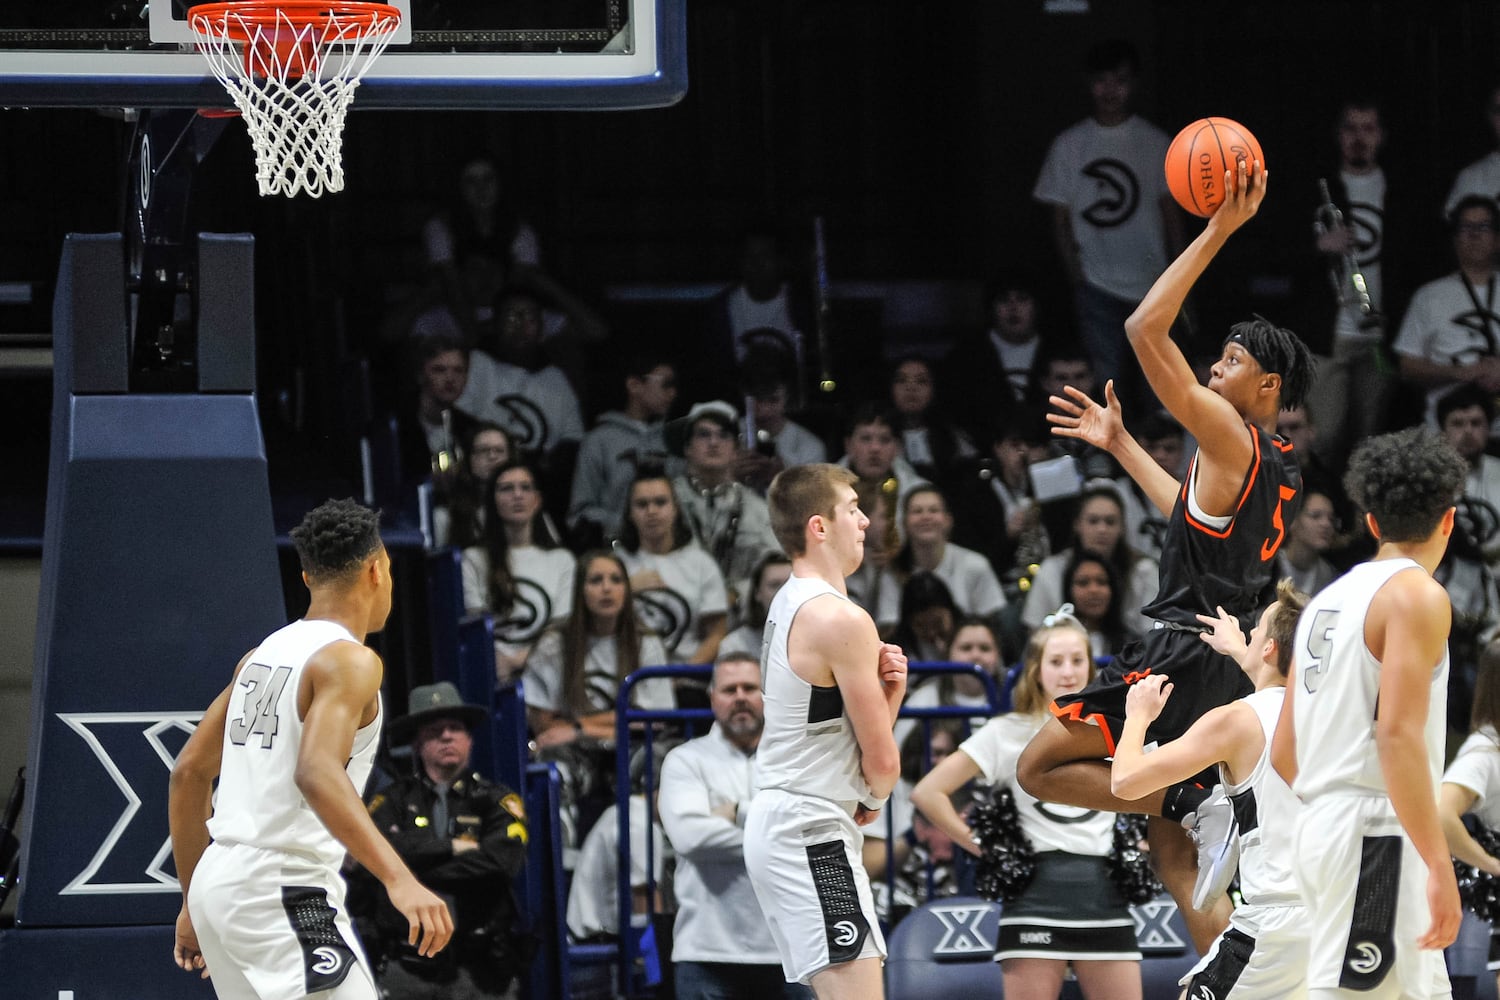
<point>1224,634</point>
<point>185,951</point>
<point>1443,905</point>
<point>1147,697</point>
<point>1245,188</point>
<point>864,817</point>
<point>1081,417</point>
<point>428,917</point>
<point>892,665</point>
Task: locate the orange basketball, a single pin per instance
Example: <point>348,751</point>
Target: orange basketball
<point>1198,158</point>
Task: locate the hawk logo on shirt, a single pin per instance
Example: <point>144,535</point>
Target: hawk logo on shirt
<point>530,611</point>
<point>1204,993</point>
<point>1368,957</point>
<point>1118,193</point>
<point>845,933</point>
<point>523,419</point>
<point>665,612</point>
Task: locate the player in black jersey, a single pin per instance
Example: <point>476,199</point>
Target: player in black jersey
<point>1226,520</point>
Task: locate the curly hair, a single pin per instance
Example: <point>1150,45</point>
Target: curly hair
<point>335,538</point>
<point>1408,479</point>
<point>1281,352</point>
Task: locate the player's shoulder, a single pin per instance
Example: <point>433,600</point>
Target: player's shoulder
<point>344,660</point>
<point>1412,589</point>
<point>835,609</point>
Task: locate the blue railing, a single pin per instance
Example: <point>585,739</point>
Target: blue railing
<point>631,981</point>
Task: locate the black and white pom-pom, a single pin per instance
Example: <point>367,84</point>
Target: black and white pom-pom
<point>1007,861</point>
<point>1129,863</point>
<point>1480,891</point>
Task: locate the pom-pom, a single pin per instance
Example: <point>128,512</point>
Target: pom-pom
<point>1480,891</point>
<point>1130,863</point>
<point>1007,861</point>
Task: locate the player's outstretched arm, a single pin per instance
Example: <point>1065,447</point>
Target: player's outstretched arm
<point>340,682</point>
<point>1230,734</point>
<point>1408,621</point>
<point>1078,416</point>
<point>189,805</point>
<point>1224,635</point>
<point>1206,415</point>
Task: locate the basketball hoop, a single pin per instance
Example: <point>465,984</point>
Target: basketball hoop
<point>291,67</point>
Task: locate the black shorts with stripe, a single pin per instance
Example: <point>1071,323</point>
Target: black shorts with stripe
<point>1201,680</point>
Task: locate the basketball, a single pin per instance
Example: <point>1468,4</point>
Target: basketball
<point>1198,158</point>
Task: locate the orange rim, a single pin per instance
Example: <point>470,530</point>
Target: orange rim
<point>226,17</point>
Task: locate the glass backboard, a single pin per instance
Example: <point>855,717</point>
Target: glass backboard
<point>449,54</point>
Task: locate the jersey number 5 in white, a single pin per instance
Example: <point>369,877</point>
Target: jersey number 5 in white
<point>1319,643</point>
<point>258,713</point>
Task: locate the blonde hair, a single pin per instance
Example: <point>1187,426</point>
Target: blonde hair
<point>799,493</point>
<point>1281,627</point>
<point>1027,696</point>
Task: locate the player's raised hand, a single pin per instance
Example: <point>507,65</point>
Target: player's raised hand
<point>1224,634</point>
<point>1245,188</point>
<point>1081,417</point>
<point>428,917</point>
<point>185,951</point>
<point>1147,697</point>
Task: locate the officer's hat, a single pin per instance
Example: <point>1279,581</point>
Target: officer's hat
<point>434,701</point>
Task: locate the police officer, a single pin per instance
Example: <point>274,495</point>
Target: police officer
<point>464,837</point>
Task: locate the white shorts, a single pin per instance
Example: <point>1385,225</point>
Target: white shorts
<point>1366,892</point>
<point>803,856</point>
<point>273,927</point>
<point>1262,955</point>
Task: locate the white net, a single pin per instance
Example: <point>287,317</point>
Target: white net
<point>291,69</point>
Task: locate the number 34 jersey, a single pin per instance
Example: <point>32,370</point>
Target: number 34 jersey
<point>1335,686</point>
<point>258,803</point>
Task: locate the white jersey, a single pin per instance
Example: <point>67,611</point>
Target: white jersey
<point>808,745</point>
<point>1267,812</point>
<point>1338,684</point>
<point>258,803</point>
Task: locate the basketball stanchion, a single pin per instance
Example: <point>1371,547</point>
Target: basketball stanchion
<point>291,68</point>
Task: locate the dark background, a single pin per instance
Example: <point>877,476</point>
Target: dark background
<point>915,130</point>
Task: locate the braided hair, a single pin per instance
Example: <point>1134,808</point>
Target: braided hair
<point>1279,351</point>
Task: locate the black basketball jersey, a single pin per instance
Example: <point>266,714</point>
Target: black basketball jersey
<point>1203,567</point>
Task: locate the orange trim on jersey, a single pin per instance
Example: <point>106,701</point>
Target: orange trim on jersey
<point>1187,513</point>
<point>1074,713</point>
